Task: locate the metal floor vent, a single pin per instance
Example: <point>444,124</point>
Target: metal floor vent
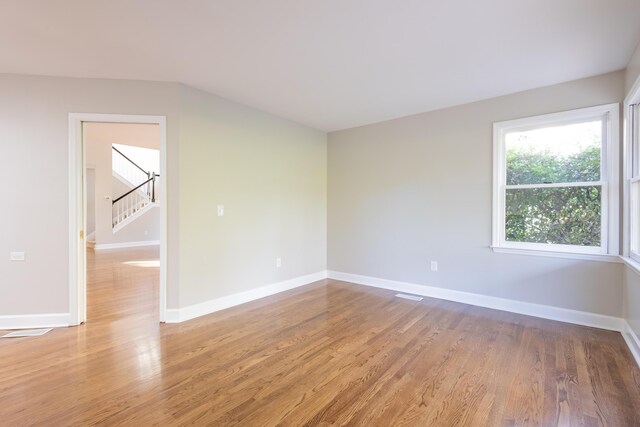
<point>411,297</point>
<point>27,333</point>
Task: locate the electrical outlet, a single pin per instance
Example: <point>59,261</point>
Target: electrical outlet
<point>16,256</point>
<point>220,210</point>
<point>278,262</point>
<point>434,265</point>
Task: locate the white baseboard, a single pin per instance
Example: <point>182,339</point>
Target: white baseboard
<point>126,245</point>
<point>513,306</point>
<point>211,306</point>
<point>632,341</point>
<point>30,321</point>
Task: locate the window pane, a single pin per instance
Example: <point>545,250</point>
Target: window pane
<point>635,141</point>
<point>635,216</point>
<point>564,216</point>
<point>569,153</point>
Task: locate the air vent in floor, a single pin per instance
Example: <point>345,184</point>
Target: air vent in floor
<point>27,333</point>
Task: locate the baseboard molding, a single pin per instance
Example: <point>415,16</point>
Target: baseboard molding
<point>632,341</point>
<point>513,306</point>
<point>29,321</point>
<point>211,306</point>
<point>125,245</point>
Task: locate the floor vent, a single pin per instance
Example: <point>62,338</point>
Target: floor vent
<point>27,333</point>
<point>411,297</point>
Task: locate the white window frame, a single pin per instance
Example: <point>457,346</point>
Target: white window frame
<point>631,176</point>
<point>609,182</point>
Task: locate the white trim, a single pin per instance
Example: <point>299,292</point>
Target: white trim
<point>77,259</point>
<point>552,248</point>
<point>552,254</point>
<point>631,263</point>
<point>627,171</point>
<point>530,309</point>
<point>211,306</point>
<point>29,321</point>
<point>633,97</point>
<point>77,214</point>
<point>556,185</point>
<point>632,340</point>
<point>609,178</point>
<point>126,245</point>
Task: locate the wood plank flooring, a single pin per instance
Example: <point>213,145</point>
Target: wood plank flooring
<point>330,353</point>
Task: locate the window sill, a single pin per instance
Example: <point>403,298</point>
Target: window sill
<point>631,263</point>
<point>570,255</point>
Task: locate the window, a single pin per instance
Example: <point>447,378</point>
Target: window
<point>633,147</point>
<point>555,182</point>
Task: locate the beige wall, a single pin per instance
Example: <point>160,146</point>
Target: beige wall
<point>34,122</point>
<point>415,189</point>
<point>633,69</point>
<point>270,175</point>
<point>401,193</point>
<point>216,135</point>
<point>631,299</point>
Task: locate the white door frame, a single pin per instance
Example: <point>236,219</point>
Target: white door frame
<point>77,209</point>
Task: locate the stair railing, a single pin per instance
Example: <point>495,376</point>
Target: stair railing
<point>132,201</point>
<point>136,199</point>
<point>127,168</point>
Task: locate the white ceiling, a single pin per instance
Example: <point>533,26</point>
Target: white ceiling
<point>330,64</point>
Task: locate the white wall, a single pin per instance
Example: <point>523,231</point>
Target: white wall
<point>99,138</point>
<point>415,189</point>
<point>269,172</point>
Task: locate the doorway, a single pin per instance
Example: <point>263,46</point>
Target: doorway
<point>142,198</point>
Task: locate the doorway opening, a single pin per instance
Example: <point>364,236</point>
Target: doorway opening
<point>118,217</point>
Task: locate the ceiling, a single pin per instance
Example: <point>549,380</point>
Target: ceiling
<point>329,64</point>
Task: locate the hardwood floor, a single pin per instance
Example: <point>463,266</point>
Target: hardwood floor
<point>327,353</point>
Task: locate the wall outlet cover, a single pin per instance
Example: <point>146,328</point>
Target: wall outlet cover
<point>16,256</point>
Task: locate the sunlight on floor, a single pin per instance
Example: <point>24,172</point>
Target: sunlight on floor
<point>150,263</point>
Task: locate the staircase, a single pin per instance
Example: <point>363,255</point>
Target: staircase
<point>139,198</point>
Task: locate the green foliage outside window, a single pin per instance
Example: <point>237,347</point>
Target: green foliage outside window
<point>556,215</point>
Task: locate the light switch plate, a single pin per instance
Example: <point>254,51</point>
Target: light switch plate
<point>16,256</point>
<point>220,210</point>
